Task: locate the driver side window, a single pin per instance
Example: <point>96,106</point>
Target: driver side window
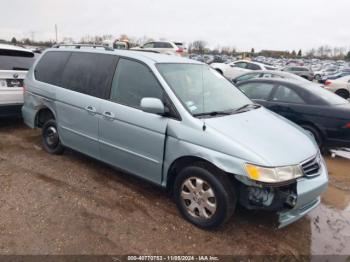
<point>132,82</point>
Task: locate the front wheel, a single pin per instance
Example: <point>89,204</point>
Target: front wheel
<point>343,93</point>
<point>51,139</point>
<point>204,196</point>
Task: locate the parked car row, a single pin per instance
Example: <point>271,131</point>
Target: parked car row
<point>233,69</point>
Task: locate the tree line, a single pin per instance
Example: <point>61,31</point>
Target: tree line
<point>201,47</point>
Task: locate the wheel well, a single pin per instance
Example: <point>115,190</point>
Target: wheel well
<point>219,70</point>
<point>314,127</point>
<point>178,165</point>
<point>342,90</point>
<point>42,116</point>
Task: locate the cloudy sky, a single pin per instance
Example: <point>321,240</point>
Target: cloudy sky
<point>262,24</point>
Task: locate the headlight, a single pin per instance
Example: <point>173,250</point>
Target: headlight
<point>273,174</point>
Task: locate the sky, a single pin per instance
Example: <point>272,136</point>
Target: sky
<point>244,24</point>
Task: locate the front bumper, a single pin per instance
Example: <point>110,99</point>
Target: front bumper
<point>291,202</point>
<point>309,191</point>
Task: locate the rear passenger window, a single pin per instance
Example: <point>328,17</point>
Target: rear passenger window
<point>253,66</point>
<point>285,94</point>
<point>89,73</point>
<point>132,82</point>
<point>50,67</point>
<point>162,45</point>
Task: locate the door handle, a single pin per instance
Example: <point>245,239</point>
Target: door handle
<point>108,115</point>
<point>91,109</point>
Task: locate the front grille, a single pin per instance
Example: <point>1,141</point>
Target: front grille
<point>312,167</point>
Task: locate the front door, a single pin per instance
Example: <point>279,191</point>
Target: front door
<point>130,138</point>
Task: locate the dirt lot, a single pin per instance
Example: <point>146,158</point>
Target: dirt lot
<point>71,204</point>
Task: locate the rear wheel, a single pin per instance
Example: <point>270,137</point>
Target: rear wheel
<point>343,93</point>
<point>51,139</point>
<point>318,77</point>
<point>204,196</point>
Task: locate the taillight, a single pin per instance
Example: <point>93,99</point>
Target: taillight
<point>180,50</point>
<point>327,83</point>
<point>347,125</point>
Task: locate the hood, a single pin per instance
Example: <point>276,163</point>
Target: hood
<point>271,138</point>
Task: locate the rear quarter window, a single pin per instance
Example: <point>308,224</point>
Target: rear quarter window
<point>89,73</point>
<point>50,67</point>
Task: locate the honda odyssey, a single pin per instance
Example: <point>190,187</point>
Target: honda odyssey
<point>179,124</point>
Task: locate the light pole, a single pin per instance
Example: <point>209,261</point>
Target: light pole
<point>56,34</point>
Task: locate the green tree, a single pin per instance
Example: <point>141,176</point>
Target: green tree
<point>294,53</point>
<point>252,51</point>
<point>14,40</point>
<point>300,53</point>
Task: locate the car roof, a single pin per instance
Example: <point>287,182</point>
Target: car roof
<point>148,57</point>
<point>286,81</point>
<point>14,47</point>
<point>344,78</point>
<point>274,72</point>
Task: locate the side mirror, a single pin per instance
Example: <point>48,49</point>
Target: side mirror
<point>152,105</point>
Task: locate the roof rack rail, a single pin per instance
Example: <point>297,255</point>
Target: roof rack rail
<point>78,46</point>
<point>143,50</point>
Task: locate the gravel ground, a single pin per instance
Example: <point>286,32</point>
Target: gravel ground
<point>71,204</point>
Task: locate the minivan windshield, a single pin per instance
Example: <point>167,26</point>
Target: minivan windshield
<point>202,90</point>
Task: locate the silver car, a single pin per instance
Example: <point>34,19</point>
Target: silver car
<point>179,124</point>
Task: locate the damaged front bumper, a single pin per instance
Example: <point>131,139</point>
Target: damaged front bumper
<point>290,201</point>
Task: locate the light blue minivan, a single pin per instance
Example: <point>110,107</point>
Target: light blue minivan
<point>179,124</point>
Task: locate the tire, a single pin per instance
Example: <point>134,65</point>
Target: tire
<point>204,195</point>
<point>50,138</point>
<point>317,135</point>
<point>317,77</point>
<point>343,93</point>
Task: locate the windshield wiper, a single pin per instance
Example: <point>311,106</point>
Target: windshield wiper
<point>214,113</point>
<point>241,109</point>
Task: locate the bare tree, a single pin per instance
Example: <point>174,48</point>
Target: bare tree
<point>199,46</point>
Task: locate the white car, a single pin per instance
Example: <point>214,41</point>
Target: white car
<point>14,64</point>
<point>163,47</point>
<point>239,67</point>
<point>340,86</point>
<point>324,72</point>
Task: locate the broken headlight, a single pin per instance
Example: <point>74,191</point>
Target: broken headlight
<point>273,174</point>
